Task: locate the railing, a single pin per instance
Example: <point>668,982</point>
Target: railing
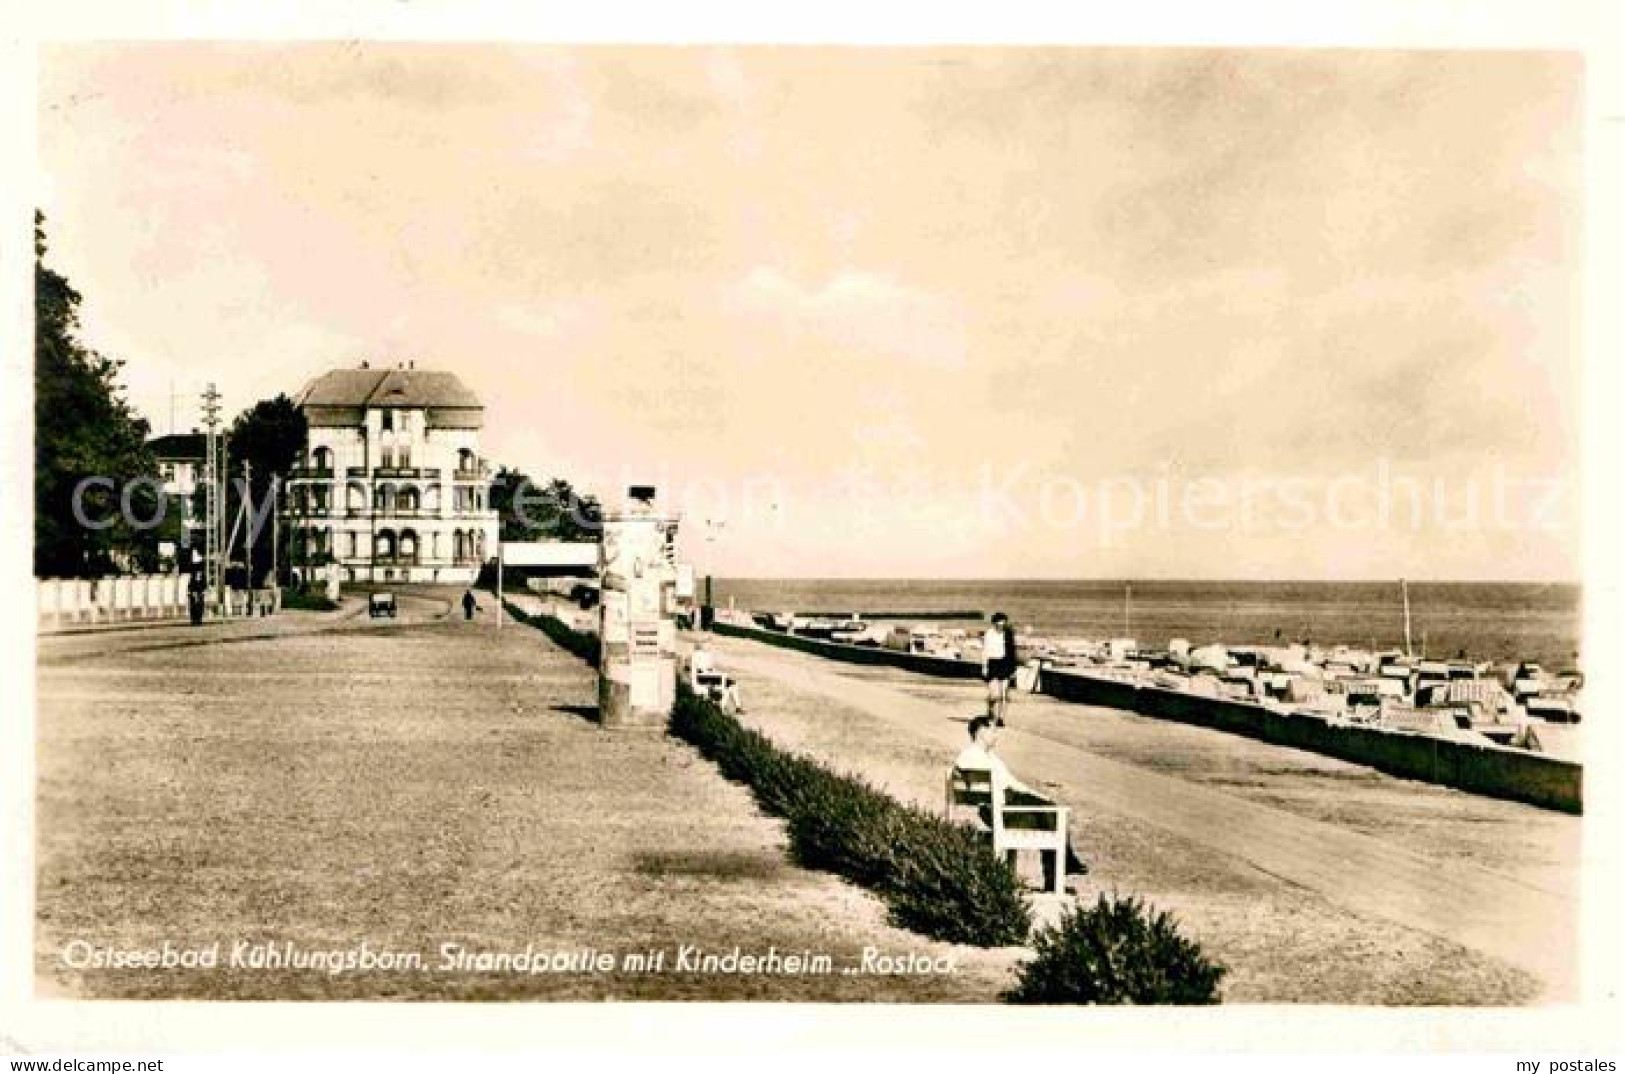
<point>322,473</point>
<point>477,473</point>
<point>396,473</point>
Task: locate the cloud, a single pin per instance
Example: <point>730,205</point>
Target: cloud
<point>857,310</point>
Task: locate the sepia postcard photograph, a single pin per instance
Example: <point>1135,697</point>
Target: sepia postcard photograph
<point>939,522</point>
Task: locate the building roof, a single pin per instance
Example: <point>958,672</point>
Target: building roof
<point>177,447</point>
<point>341,396</point>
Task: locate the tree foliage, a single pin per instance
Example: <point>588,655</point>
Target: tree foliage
<point>552,511</point>
<point>84,429</point>
<point>269,436</point>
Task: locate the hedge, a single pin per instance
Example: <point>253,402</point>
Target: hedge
<point>1116,951</point>
<point>303,600</point>
<point>938,878</point>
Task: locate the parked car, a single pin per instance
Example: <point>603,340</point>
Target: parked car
<point>381,604</point>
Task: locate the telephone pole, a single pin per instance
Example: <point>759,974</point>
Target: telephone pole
<point>213,485</point>
<point>276,526</point>
<point>248,530</point>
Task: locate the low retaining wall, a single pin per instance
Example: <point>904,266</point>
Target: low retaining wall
<point>939,666</point>
<point>1487,769</point>
<point>1490,770</point>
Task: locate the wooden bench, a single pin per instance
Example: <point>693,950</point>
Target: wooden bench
<point>1020,820</point>
<point>704,679</point>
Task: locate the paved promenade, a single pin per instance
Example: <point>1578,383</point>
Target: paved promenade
<point>1314,879</point>
<point>403,785</point>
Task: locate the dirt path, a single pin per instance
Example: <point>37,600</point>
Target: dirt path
<point>407,786</point>
<point>1524,918</point>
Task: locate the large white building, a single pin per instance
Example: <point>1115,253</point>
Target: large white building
<point>391,485</point>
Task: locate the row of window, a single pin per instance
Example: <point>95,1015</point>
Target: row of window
<point>386,498</point>
<point>388,544</point>
<point>395,455</point>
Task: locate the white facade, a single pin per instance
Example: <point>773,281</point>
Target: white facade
<point>392,485</point>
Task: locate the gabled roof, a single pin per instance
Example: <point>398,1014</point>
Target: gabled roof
<point>177,447</point>
<point>387,387</point>
<point>340,397</point>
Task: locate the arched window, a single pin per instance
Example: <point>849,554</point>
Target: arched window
<point>383,545</point>
<point>408,499</point>
<point>409,546</point>
<point>465,459</point>
<point>459,542</point>
<point>322,458</point>
<point>383,497</point>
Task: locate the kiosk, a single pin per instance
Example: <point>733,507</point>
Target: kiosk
<point>637,672</point>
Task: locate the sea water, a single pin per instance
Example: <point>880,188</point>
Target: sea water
<point>1485,620</point>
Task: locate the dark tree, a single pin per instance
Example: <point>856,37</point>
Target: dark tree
<point>542,512</point>
<point>86,438</point>
<point>268,436</point>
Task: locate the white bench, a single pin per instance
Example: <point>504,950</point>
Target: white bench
<point>1020,820</point>
<point>704,679</point>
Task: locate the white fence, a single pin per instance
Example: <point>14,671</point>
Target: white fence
<point>65,601</point>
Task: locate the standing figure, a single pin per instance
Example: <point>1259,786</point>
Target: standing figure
<point>998,664</point>
<point>469,604</point>
<point>194,600</point>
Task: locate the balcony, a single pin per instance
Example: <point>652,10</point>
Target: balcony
<point>475,473</point>
<point>310,473</point>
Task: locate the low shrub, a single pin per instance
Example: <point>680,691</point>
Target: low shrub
<point>1116,951</point>
<point>306,600</point>
<point>938,878</point>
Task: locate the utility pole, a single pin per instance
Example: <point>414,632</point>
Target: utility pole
<point>1405,595</point>
<point>1128,590</point>
<point>248,530</point>
<point>213,465</point>
<point>220,517</point>
<point>276,526</point>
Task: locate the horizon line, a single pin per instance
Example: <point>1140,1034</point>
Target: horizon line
<point>1386,580</point>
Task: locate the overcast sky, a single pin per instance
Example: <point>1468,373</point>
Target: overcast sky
<point>986,312</point>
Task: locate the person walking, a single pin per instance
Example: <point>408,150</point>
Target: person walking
<point>469,604</point>
<point>998,665</point>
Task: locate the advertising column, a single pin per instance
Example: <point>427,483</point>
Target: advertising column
<point>637,674</point>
